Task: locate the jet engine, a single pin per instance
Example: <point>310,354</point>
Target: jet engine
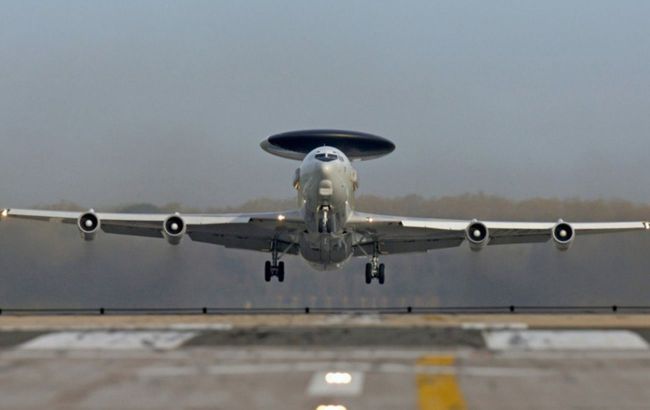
<point>477,235</point>
<point>173,229</point>
<point>88,224</point>
<point>563,235</point>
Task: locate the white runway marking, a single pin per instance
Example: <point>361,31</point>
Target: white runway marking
<point>107,340</point>
<point>336,383</point>
<point>564,340</point>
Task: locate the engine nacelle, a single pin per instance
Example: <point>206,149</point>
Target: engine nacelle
<point>88,224</point>
<point>477,235</point>
<point>563,235</point>
<point>174,228</point>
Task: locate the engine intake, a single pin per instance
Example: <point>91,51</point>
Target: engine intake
<point>477,235</point>
<point>173,229</point>
<point>88,224</point>
<point>563,235</point>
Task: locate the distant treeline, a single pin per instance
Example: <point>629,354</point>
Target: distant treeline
<point>48,265</point>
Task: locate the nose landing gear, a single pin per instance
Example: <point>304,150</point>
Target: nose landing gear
<point>325,222</point>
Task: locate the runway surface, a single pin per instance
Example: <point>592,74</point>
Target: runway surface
<point>325,362</point>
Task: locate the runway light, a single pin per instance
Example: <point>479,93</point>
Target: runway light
<point>281,218</point>
<point>5,212</point>
<point>338,378</point>
<point>331,407</point>
<point>370,220</point>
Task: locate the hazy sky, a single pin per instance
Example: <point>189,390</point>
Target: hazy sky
<point>103,103</point>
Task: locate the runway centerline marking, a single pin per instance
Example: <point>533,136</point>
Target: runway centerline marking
<point>439,391</point>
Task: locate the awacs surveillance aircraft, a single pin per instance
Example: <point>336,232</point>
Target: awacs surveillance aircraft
<point>325,229</point>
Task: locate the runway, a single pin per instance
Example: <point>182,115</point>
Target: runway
<point>325,362</point>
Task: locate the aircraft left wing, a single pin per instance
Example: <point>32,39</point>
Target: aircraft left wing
<point>394,234</point>
<point>251,231</point>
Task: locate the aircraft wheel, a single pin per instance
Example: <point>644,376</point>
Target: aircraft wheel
<point>281,272</point>
<point>267,271</point>
<point>368,273</point>
<point>381,276</point>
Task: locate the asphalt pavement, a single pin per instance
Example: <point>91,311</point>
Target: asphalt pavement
<point>325,362</point>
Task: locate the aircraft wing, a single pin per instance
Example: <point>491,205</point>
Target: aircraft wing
<point>396,234</point>
<point>252,231</point>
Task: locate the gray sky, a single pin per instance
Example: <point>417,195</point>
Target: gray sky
<point>110,102</point>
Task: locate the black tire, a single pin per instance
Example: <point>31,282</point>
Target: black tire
<point>267,271</point>
<point>382,273</point>
<point>281,272</point>
<point>368,273</point>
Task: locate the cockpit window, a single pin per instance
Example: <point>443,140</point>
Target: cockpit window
<point>326,157</point>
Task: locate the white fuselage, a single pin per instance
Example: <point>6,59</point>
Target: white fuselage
<point>326,182</point>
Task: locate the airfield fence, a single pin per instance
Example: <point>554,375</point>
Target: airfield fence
<point>405,310</point>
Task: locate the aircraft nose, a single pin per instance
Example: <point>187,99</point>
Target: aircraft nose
<point>326,170</point>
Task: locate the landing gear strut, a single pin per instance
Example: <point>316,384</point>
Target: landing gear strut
<point>374,269</point>
<point>326,222</point>
<point>274,268</point>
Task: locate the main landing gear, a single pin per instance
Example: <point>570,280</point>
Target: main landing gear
<point>374,269</point>
<point>274,268</point>
<point>271,270</point>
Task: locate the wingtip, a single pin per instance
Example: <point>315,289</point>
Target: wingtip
<point>4,212</point>
<point>647,226</point>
